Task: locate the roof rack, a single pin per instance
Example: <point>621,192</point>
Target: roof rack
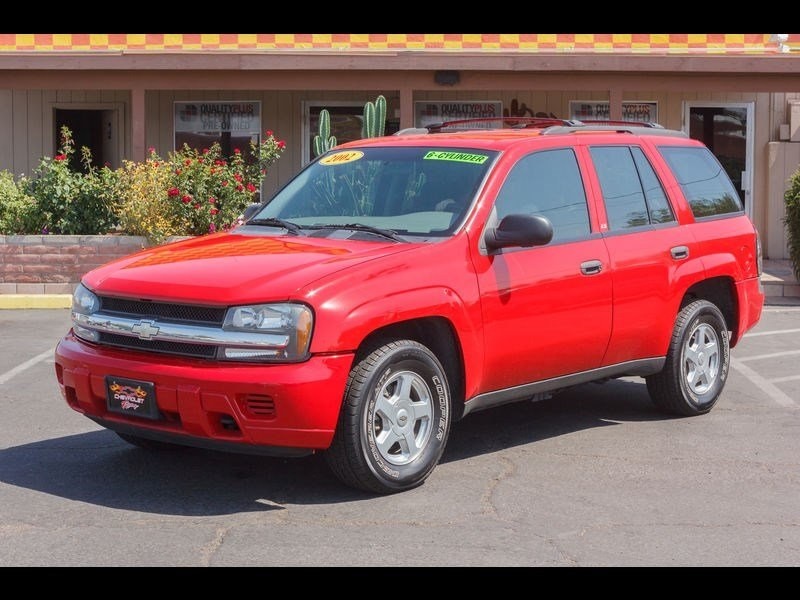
<point>505,122</point>
<point>621,122</point>
<point>547,125</point>
<point>638,129</point>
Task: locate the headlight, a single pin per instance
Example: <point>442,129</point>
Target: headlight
<point>291,323</point>
<point>84,302</point>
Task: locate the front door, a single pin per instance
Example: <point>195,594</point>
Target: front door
<point>547,309</point>
<point>727,129</point>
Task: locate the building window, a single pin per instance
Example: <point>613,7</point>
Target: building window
<point>233,125</point>
<point>428,112</point>
<point>346,119</point>
<point>600,110</point>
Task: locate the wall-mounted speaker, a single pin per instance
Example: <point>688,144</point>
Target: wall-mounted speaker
<point>446,77</point>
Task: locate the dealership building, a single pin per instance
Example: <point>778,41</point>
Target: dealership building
<point>124,93</point>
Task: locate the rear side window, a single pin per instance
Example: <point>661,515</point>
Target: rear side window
<point>547,183</point>
<point>657,204</point>
<point>706,186</point>
<point>622,190</point>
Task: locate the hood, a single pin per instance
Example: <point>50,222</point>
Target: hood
<point>233,268</point>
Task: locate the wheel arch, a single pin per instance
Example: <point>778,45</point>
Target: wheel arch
<point>437,334</point>
<point>720,291</point>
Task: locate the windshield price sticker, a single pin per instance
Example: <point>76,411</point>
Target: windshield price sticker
<point>477,159</point>
<point>340,158</point>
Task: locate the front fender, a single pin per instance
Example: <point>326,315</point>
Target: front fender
<point>346,331</point>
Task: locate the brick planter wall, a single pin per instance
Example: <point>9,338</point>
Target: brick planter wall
<point>54,264</point>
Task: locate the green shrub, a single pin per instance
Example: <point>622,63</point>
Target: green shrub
<point>188,193</point>
<point>792,221</point>
<point>70,202</point>
<point>18,210</point>
<point>97,202</point>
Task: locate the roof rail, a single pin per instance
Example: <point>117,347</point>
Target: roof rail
<point>547,125</point>
<point>632,129</point>
<point>621,122</point>
<point>411,131</point>
<point>505,122</point>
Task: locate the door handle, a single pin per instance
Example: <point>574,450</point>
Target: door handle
<point>591,267</point>
<point>679,252</point>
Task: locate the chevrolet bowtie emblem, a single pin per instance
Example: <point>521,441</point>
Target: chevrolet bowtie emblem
<point>145,330</point>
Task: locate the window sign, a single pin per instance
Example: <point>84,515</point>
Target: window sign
<point>646,112</point>
<point>428,112</point>
<point>231,124</point>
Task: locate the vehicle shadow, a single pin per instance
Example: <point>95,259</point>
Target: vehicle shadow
<point>99,468</point>
<point>582,407</point>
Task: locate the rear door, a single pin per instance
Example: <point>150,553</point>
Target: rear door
<point>547,309</point>
<point>649,252</point>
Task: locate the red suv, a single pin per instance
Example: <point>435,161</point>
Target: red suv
<point>397,284</point>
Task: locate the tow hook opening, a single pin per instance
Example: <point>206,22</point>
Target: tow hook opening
<point>228,423</point>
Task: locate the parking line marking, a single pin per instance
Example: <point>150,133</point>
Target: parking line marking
<point>769,388</point>
<point>775,332</point>
<point>783,379</point>
<point>25,366</point>
<point>772,355</point>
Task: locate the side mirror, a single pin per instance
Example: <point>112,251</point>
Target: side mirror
<point>250,211</point>
<point>519,230</point>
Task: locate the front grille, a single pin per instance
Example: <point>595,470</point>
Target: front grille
<point>180,348</point>
<point>142,309</point>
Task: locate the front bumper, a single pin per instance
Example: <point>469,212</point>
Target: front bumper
<point>232,406</point>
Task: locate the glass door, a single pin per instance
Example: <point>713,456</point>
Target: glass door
<point>727,129</point>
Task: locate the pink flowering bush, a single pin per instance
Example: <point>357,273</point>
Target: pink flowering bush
<point>206,191</point>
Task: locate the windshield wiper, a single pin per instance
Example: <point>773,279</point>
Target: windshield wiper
<point>274,222</point>
<point>387,233</point>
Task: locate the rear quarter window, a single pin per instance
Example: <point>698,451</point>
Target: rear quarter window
<point>704,182</point>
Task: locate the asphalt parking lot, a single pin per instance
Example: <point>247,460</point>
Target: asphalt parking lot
<point>593,476</point>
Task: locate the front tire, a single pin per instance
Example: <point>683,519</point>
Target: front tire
<point>697,362</point>
<point>395,419</point>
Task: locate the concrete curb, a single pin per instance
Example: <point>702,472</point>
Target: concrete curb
<point>35,301</point>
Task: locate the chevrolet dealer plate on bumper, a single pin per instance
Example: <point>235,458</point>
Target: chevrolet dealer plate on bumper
<point>131,397</point>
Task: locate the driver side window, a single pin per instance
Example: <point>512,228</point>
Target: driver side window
<point>549,184</point>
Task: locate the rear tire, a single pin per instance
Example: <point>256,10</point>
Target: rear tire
<point>697,365</point>
<point>395,419</point>
<point>147,444</point>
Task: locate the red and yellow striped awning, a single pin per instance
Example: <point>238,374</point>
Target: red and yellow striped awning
<point>647,43</point>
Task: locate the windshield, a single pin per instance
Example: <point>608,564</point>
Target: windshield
<point>409,191</point>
